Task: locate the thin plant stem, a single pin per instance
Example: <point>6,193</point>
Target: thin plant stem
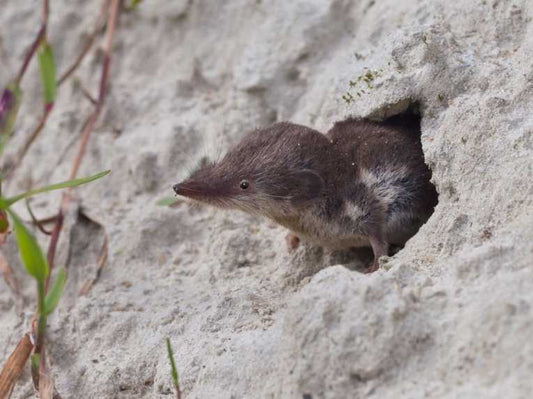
<point>111,22</point>
<point>30,53</point>
<point>52,246</point>
<point>46,11</point>
<point>173,369</point>
<point>36,42</point>
<point>22,153</point>
<point>88,127</point>
<point>70,70</point>
<point>41,314</point>
<point>35,221</point>
<point>87,46</point>
<point>88,95</point>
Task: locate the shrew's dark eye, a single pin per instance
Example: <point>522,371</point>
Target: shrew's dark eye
<point>244,184</point>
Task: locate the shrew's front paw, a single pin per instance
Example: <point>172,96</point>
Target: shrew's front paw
<point>373,267</point>
<point>292,242</point>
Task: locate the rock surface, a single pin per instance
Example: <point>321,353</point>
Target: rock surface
<point>449,316</point>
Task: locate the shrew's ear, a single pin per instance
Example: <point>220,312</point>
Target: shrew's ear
<point>308,186</point>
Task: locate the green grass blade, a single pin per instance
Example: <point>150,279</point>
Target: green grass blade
<point>174,371</point>
<point>35,359</point>
<point>29,250</point>
<point>9,106</point>
<point>133,5</point>
<point>47,66</point>
<point>168,201</point>
<point>5,202</point>
<point>53,296</point>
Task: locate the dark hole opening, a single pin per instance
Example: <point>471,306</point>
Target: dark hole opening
<point>409,122</point>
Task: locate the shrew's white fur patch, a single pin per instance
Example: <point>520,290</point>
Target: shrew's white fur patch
<point>352,210</point>
<point>381,182</point>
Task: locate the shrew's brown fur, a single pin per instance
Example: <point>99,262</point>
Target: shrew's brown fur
<point>363,183</point>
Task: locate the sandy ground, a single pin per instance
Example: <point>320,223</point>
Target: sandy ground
<point>449,316</point>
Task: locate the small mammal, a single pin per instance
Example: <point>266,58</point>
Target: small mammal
<point>362,184</point>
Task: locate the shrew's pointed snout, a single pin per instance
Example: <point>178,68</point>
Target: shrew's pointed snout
<point>191,189</point>
<point>201,191</point>
<point>184,188</point>
<point>176,188</point>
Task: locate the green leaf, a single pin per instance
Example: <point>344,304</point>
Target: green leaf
<point>47,67</point>
<point>53,296</point>
<point>174,371</point>
<point>168,201</point>
<point>35,359</point>
<point>6,202</point>
<point>9,106</point>
<point>133,5</point>
<point>30,252</point>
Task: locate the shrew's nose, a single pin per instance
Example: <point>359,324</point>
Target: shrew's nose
<point>176,188</point>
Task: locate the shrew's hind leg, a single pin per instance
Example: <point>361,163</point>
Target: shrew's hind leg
<point>380,248</point>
